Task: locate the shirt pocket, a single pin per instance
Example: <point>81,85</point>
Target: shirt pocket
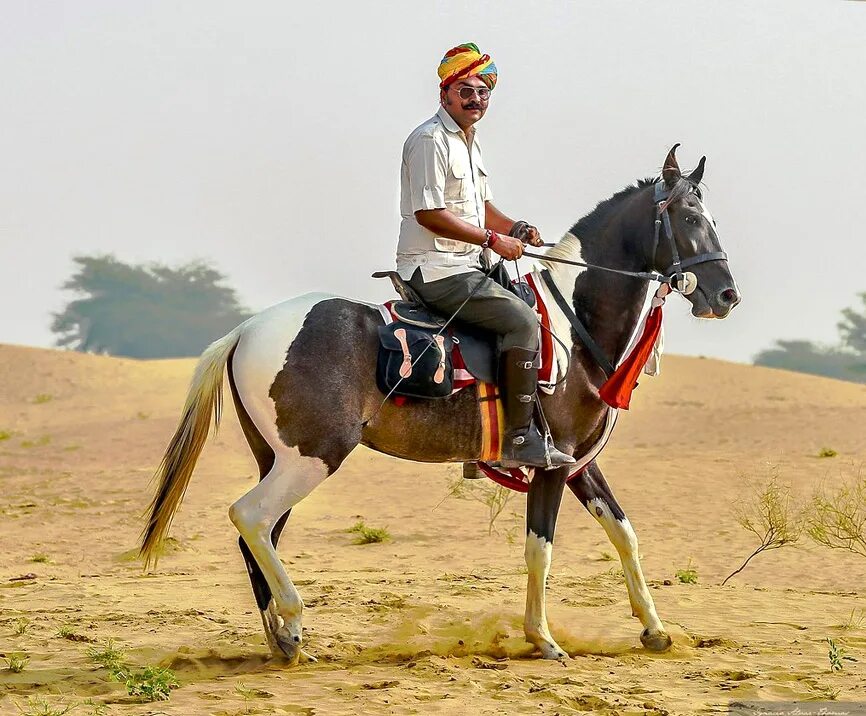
<point>458,187</point>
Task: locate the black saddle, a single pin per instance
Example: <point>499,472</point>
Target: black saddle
<point>420,323</point>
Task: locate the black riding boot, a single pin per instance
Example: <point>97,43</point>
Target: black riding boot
<point>523,444</point>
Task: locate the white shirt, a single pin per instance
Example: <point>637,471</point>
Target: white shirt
<point>440,172</point>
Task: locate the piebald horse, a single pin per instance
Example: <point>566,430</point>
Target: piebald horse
<point>302,414</point>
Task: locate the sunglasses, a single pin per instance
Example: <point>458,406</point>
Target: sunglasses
<point>467,92</point>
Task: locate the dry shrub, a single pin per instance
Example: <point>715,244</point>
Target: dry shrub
<point>488,493</point>
<point>771,514</point>
<point>838,518</point>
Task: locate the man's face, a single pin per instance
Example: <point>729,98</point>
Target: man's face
<point>466,111</point>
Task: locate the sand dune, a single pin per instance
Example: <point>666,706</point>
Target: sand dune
<point>430,620</point>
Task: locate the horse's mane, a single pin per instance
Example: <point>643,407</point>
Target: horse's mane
<point>597,219</point>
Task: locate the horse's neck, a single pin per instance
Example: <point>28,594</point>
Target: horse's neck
<point>608,305</point>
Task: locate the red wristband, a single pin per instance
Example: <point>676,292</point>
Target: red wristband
<point>492,238</point>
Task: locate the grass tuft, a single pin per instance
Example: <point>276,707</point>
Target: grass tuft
<point>42,398</point>
<point>855,620</point>
<point>827,452</point>
<point>5,435</point>
<point>152,683</point>
<point>16,663</point>
<point>689,575</point>
<point>40,706</point>
<point>21,625</point>
<point>39,442</point>
<point>109,657</point>
<point>835,654</point>
<point>368,535</point>
<point>40,558</point>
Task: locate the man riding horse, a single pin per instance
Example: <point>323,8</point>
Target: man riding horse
<point>448,219</point>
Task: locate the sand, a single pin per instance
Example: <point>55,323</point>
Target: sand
<point>428,621</point>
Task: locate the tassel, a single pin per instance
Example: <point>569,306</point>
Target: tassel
<point>617,389</point>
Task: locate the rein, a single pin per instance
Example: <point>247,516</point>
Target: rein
<point>678,280</point>
<point>673,275</point>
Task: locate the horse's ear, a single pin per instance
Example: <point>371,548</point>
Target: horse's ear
<point>671,170</point>
<point>698,174</point>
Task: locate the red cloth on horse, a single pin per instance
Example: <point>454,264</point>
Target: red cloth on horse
<point>617,389</point>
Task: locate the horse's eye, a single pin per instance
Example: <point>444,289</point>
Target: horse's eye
<point>691,220</point>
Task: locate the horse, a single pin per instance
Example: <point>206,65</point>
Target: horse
<point>301,375</point>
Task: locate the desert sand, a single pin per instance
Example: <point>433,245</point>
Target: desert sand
<point>428,621</point>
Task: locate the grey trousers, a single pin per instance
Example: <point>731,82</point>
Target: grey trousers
<point>491,307</point>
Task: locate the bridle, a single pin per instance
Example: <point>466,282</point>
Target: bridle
<point>674,275</point>
<point>674,272</point>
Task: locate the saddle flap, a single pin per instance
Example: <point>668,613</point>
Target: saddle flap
<point>417,315</point>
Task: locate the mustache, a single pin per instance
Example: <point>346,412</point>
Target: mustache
<point>472,105</point>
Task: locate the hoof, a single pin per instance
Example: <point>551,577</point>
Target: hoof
<point>551,650</point>
<point>655,641</point>
<point>289,647</point>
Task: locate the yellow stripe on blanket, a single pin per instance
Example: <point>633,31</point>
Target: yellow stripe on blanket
<point>492,420</point>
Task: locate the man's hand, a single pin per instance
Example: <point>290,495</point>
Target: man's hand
<point>527,233</point>
<point>532,237</point>
<point>508,247</point>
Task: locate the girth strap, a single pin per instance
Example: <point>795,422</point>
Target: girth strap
<point>579,328</point>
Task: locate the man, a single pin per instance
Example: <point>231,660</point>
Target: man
<point>448,218</point>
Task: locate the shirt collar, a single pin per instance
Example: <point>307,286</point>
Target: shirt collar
<point>448,121</point>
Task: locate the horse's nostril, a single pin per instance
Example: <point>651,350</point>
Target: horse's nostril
<point>729,296</point>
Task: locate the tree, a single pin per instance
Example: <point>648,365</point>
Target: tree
<point>145,311</point>
<point>846,361</point>
<point>853,328</point>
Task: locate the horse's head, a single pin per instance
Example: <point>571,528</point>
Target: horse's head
<point>686,239</point>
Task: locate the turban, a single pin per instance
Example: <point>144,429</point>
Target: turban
<point>465,61</point>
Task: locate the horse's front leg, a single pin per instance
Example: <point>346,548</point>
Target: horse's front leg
<point>592,490</point>
<point>542,507</point>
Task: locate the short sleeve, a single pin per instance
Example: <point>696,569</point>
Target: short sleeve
<point>486,192</point>
<point>483,179</point>
<point>427,166</point>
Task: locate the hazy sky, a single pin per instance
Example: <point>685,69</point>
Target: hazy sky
<point>266,137</point>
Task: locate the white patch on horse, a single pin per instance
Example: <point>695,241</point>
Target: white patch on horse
<point>261,354</point>
<point>538,552</point>
<point>706,212</point>
<point>564,277</point>
<point>624,539</point>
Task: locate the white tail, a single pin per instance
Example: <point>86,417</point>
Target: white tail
<point>203,400</point>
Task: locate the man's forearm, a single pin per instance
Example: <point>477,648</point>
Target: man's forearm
<point>496,220</point>
<point>445,224</point>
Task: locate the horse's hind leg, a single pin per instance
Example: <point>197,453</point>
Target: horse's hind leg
<point>265,458</point>
<point>261,590</point>
<point>592,490</point>
<point>256,515</point>
<point>542,507</point>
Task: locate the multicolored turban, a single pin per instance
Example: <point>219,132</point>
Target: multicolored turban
<point>465,61</point>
